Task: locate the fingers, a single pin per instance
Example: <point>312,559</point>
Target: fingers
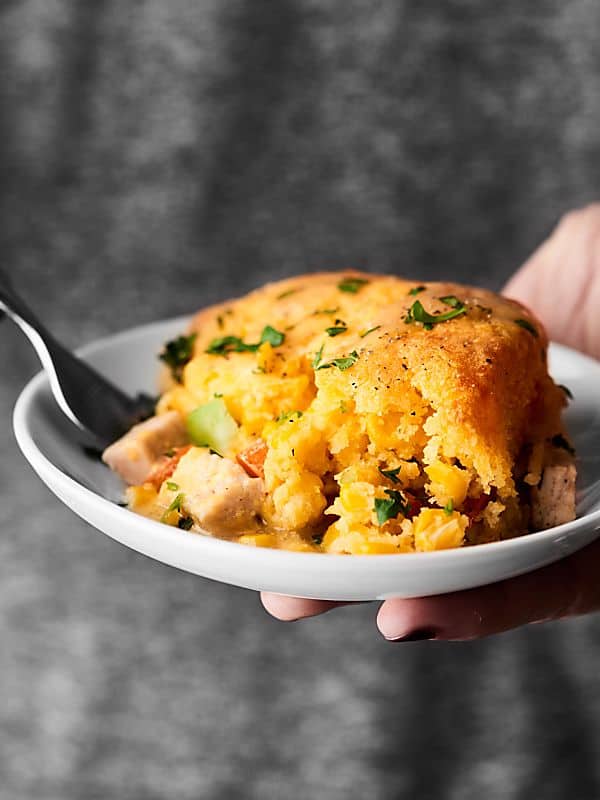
<point>289,609</point>
<point>567,587</point>
<point>560,282</point>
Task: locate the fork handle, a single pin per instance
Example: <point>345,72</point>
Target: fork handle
<point>88,399</point>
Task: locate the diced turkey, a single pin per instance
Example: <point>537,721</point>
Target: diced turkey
<point>553,501</point>
<point>133,455</point>
<point>216,492</point>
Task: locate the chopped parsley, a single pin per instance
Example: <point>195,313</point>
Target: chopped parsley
<point>417,290</point>
<point>390,507</point>
<point>289,416</point>
<point>523,323</point>
<point>317,359</point>
<point>451,300</point>
<point>449,507</point>
<point>272,336</point>
<point>229,344</point>
<point>233,344</point>
<point>391,474</point>
<point>416,313</point>
<point>287,294</point>
<point>351,285</point>
<point>177,353</point>
<point>343,363</point>
<point>326,311</point>
<point>317,539</point>
<point>185,523</point>
<point>371,330</point>
<point>175,506</point>
<point>560,441</point>
<point>339,327</point>
<point>172,486</point>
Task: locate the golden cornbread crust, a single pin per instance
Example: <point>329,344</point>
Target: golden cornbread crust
<point>362,405</point>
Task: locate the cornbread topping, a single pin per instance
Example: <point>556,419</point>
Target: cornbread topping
<point>355,413</point>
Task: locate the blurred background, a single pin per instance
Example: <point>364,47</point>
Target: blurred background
<point>155,157</point>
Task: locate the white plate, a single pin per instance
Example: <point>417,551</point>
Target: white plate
<point>50,444</point>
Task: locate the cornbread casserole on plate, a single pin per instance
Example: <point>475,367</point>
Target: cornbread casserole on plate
<point>356,414</point>
<point>85,485</point>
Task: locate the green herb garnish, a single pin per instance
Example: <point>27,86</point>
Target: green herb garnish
<point>449,507</point>
<point>391,474</point>
<point>233,344</point>
<point>177,353</point>
<point>390,507</point>
<point>185,523</point>
<point>417,290</point>
<point>351,285</point>
<point>289,416</point>
<point>172,486</point>
<point>272,336</point>
<point>416,313</point>
<point>339,327</point>
<point>229,344</point>
<point>523,323</point>
<point>326,311</point>
<point>560,441</point>
<point>317,359</point>
<point>175,506</point>
<point>343,363</point>
<point>287,294</point>
<point>366,333</point>
<point>451,300</point>
<point>317,539</point>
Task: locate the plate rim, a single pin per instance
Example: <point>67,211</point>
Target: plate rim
<point>36,458</point>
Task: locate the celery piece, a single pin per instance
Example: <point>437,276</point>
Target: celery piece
<point>211,425</point>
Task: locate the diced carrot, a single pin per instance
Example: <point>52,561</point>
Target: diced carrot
<point>252,459</point>
<point>166,466</point>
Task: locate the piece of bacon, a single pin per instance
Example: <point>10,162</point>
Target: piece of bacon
<point>252,459</point>
<point>474,506</point>
<point>414,505</point>
<point>165,466</point>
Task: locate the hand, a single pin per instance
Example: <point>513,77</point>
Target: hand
<point>561,281</point>
<point>561,284</point>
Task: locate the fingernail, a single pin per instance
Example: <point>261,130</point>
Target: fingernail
<point>420,635</point>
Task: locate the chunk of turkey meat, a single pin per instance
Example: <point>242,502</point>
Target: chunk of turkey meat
<point>133,455</point>
<point>216,492</point>
<point>553,501</point>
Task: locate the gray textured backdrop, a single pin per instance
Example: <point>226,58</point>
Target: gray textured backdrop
<point>156,156</point>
